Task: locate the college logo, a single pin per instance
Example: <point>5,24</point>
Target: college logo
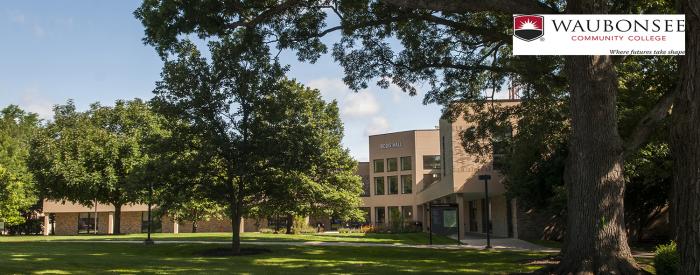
<point>528,27</point>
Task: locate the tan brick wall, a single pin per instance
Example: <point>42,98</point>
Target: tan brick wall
<point>167,224</point>
<point>102,223</point>
<point>254,225</point>
<point>130,222</point>
<point>66,224</point>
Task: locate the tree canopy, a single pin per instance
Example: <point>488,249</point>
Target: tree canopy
<point>95,156</point>
<point>17,185</point>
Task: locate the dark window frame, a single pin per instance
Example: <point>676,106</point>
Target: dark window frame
<point>393,191</point>
<point>376,185</point>
<point>406,160</point>
<point>432,162</point>
<point>157,223</point>
<point>376,168</point>
<point>388,165</point>
<point>403,184</point>
<point>91,227</point>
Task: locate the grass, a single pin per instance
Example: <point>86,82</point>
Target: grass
<point>23,257</point>
<point>404,238</point>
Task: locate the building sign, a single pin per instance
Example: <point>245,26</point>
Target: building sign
<point>390,145</point>
<point>599,34</point>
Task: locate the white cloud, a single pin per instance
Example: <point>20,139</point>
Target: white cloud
<point>352,104</point>
<point>31,101</point>
<point>378,125</point>
<point>360,104</point>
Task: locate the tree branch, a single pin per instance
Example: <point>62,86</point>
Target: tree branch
<point>645,127</point>
<point>269,13</point>
<point>462,6</point>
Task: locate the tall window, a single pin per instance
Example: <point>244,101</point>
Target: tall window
<point>379,214</point>
<point>406,184</point>
<point>442,147</point>
<point>391,165</point>
<point>406,163</point>
<point>365,187</point>
<point>156,226</point>
<point>394,213</point>
<point>431,162</point>
<point>407,212</point>
<point>501,147</point>
<point>378,165</point>
<point>393,185</point>
<point>86,223</point>
<point>379,185</point>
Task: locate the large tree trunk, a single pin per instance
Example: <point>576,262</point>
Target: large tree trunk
<point>117,219</point>
<point>290,220</point>
<point>596,241</point>
<point>685,147</point>
<point>194,226</point>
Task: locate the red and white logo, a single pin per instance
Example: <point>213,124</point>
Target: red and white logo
<point>528,27</point>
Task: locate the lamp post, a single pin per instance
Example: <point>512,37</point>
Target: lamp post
<point>148,240</point>
<point>486,179</point>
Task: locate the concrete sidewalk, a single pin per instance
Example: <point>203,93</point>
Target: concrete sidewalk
<point>500,245</point>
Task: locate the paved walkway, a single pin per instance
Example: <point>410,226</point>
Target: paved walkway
<point>507,244</point>
<point>502,244</point>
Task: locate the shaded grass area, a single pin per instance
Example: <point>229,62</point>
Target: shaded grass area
<point>87,258</point>
<point>403,238</point>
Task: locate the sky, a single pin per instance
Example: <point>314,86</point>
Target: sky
<point>91,51</point>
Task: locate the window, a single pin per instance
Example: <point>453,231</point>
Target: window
<point>156,226</point>
<point>442,147</point>
<point>405,163</point>
<point>394,213</point>
<point>379,214</point>
<point>393,185</point>
<point>277,222</point>
<point>431,162</point>
<point>86,223</point>
<point>365,187</point>
<point>378,165</point>
<point>391,165</point>
<point>501,147</point>
<point>379,186</point>
<point>406,184</point>
<point>407,212</point>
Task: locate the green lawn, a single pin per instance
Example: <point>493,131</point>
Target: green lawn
<point>404,238</point>
<point>90,258</point>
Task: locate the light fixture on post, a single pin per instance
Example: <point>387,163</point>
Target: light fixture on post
<point>486,179</point>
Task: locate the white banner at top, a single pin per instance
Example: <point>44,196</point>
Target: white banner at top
<point>599,34</point>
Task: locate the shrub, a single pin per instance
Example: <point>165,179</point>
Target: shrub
<point>345,230</point>
<point>301,226</point>
<point>666,259</point>
<point>266,230</point>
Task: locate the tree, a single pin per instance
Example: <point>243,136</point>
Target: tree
<point>17,186</point>
<point>221,106</point>
<point>685,146</point>
<point>460,48</point>
<point>313,174</point>
<point>95,156</point>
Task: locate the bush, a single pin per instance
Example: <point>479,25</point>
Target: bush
<point>266,230</point>
<point>666,259</point>
<point>301,226</point>
<point>350,230</point>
